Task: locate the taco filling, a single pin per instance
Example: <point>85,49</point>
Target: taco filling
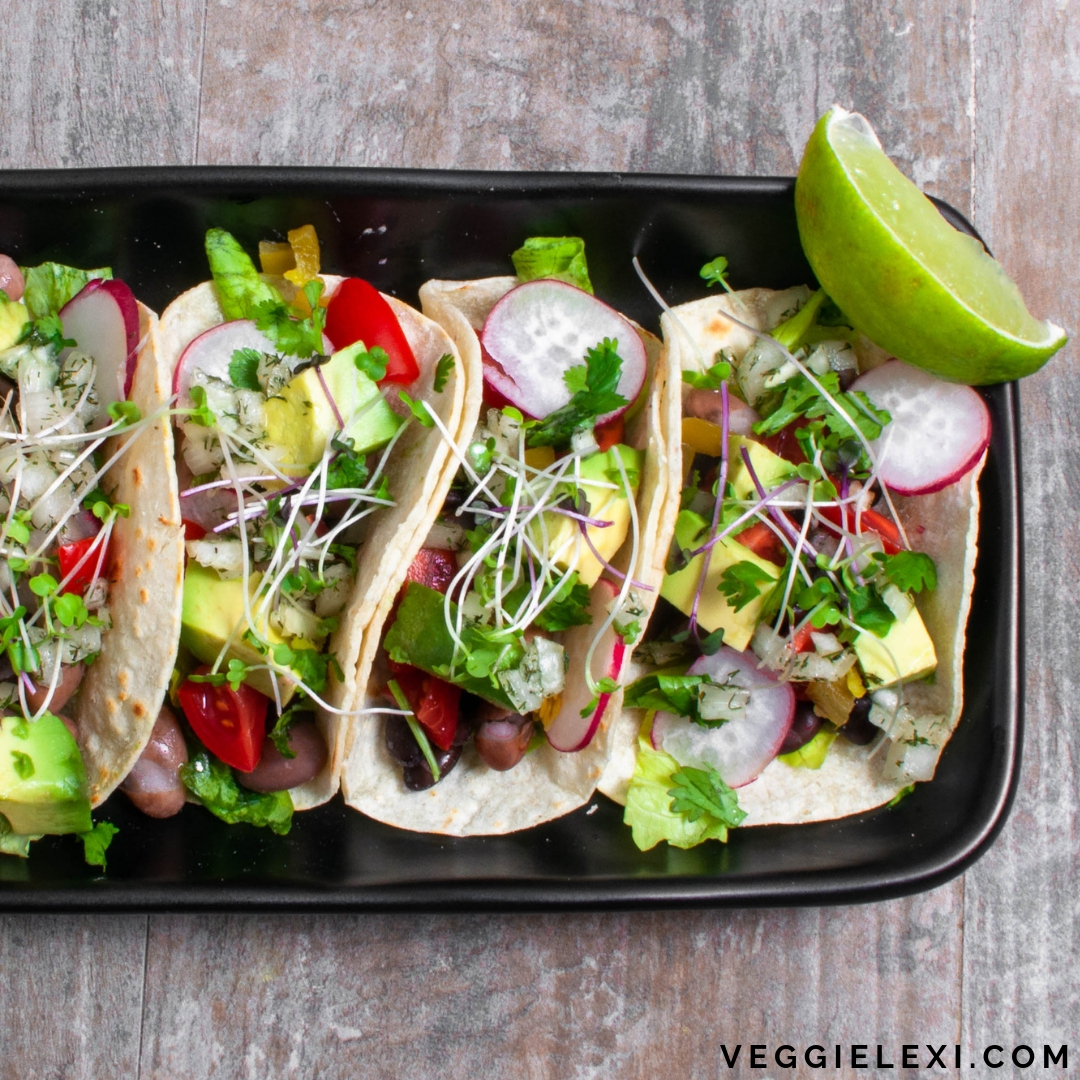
<point>69,347</point>
<point>286,421</point>
<point>798,646</point>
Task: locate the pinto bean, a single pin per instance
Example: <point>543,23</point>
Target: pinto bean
<point>278,773</point>
<point>708,405</point>
<point>11,279</point>
<point>70,677</point>
<point>154,784</point>
<point>502,743</point>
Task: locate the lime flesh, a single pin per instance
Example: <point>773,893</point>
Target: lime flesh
<point>912,283</point>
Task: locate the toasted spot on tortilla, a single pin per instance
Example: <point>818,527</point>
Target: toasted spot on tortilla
<point>139,709</point>
<point>136,475</point>
<point>151,544</point>
<point>719,325</point>
<point>144,596</point>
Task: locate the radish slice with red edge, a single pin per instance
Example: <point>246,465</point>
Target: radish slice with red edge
<point>939,430</point>
<point>212,351</point>
<point>541,329</point>
<point>103,321</point>
<point>739,749</point>
<point>571,731</point>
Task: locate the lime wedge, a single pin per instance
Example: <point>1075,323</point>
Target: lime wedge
<point>914,285</point>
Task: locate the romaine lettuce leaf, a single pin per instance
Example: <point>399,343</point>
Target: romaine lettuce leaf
<point>649,802</point>
<point>560,257</point>
<point>13,843</point>
<point>51,285</point>
<point>240,289</point>
<point>215,785</point>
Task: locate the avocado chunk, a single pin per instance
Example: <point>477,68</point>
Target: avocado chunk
<point>13,320</point>
<point>771,469</point>
<point>905,652</point>
<point>420,637</point>
<point>566,546</point>
<point>714,611</point>
<point>213,608</point>
<point>42,777</point>
<point>301,420</point>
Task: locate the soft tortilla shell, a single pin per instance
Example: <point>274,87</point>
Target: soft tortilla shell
<point>124,688</point>
<point>417,461</point>
<point>474,799</point>
<point>944,525</point>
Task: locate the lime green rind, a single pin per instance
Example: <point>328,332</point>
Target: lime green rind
<point>891,294</point>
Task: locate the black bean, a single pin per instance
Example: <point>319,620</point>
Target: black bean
<point>403,747</point>
<point>858,729</point>
<point>418,777</point>
<point>803,728</point>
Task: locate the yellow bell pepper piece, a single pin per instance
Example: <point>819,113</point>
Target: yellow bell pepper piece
<point>305,246</point>
<point>276,258</point>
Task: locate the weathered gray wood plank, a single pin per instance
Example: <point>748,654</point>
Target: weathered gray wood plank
<point>572,996</point>
<point>71,997</point>
<point>1022,921</point>
<point>96,83</point>
<point>680,86</point>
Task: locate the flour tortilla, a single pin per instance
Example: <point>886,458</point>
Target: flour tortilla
<point>414,471</point>
<point>123,690</point>
<point>474,799</point>
<point>944,525</point>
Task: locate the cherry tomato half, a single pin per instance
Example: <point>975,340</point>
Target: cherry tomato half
<point>231,723</point>
<point>870,521</point>
<point>436,703</point>
<point>358,312</point>
<point>433,567</point>
<point>763,542</point>
<point>610,433</point>
<point>69,556</point>
<point>193,530</point>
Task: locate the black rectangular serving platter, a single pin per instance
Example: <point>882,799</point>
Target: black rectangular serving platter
<point>397,229</point>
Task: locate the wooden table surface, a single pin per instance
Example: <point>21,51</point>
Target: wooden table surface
<point>975,99</point>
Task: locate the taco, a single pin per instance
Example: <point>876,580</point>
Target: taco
<point>805,662</point>
<point>536,569</point>
<point>91,546</point>
<point>310,411</point>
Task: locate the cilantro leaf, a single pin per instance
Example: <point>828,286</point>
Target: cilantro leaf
<point>699,792</point>
<point>244,369</point>
<point>96,842</point>
<point>715,272</point>
<point>741,582</point>
<point>679,694</point>
<point>596,396</point>
<point>569,608</point>
<point>313,668</point>
<point>47,331</point>
<point>213,782</point>
<point>869,611</point>
<point>909,571</point>
<point>347,468</point>
<point>442,371</point>
<point>559,257</point>
<point>293,337</point>
<point>279,734</point>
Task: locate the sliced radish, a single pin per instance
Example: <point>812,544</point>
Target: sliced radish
<point>541,329</point>
<point>571,731</point>
<point>212,351</point>
<point>739,749</point>
<point>103,320</point>
<point>938,432</point>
